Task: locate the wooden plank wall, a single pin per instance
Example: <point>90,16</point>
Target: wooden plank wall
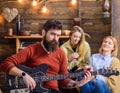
<point>94,23</point>
<point>32,19</point>
<point>116,21</point>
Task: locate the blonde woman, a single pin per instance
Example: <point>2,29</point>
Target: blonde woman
<point>77,52</point>
<point>77,49</point>
<point>106,58</point>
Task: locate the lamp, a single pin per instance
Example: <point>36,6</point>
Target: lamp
<point>44,9</point>
<point>106,8</point>
<point>34,2</point>
<point>20,1</point>
<point>73,2</point>
<point>43,3</point>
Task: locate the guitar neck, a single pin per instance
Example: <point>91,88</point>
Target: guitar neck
<point>64,76</point>
<point>104,72</point>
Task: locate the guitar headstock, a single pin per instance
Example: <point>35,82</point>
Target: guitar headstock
<point>108,72</point>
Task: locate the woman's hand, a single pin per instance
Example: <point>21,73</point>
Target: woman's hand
<point>74,57</point>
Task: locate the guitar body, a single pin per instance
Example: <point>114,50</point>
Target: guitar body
<point>16,83</point>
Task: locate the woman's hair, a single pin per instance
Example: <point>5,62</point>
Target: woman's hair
<point>115,51</point>
<point>82,39</point>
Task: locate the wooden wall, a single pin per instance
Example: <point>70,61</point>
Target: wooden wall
<point>116,22</point>
<point>32,19</point>
<point>94,23</point>
<point>90,13</point>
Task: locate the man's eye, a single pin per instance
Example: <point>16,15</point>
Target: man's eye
<point>110,43</point>
<point>52,33</point>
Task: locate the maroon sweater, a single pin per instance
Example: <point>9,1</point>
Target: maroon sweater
<point>34,55</point>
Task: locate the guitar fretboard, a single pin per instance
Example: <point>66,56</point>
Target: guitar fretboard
<point>63,76</point>
<point>104,72</point>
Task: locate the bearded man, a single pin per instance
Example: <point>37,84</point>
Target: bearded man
<point>46,52</point>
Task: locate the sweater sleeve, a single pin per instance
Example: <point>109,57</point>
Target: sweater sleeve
<point>113,81</point>
<point>14,60</point>
<point>63,47</point>
<point>85,61</point>
<point>87,54</point>
<point>63,70</point>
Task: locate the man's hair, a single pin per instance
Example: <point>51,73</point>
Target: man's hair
<point>52,24</point>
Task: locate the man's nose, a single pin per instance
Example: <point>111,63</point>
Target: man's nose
<point>55,37</point>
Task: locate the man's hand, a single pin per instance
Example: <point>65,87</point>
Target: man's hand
<point>87,68</point>
<point>29,82</point>
<point>86,79</point>
<point>75,84</point>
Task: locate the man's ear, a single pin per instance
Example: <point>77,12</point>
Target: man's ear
<point>43,32</point>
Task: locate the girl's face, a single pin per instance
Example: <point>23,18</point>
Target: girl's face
<point>75,38</point>
<point>107,45</point>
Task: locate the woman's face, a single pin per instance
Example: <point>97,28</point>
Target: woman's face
<point>75,38</point>
<point>108,45</point>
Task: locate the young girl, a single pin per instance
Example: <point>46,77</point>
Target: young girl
<point>77,49</point>
<point>77,52</point>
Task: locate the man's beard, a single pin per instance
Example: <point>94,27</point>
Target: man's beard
<point>50,45</point>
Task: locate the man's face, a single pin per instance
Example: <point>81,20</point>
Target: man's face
<point>51,39</point>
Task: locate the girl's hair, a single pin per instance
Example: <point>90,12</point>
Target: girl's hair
<point>115,51</point>
<point>82,40</point>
